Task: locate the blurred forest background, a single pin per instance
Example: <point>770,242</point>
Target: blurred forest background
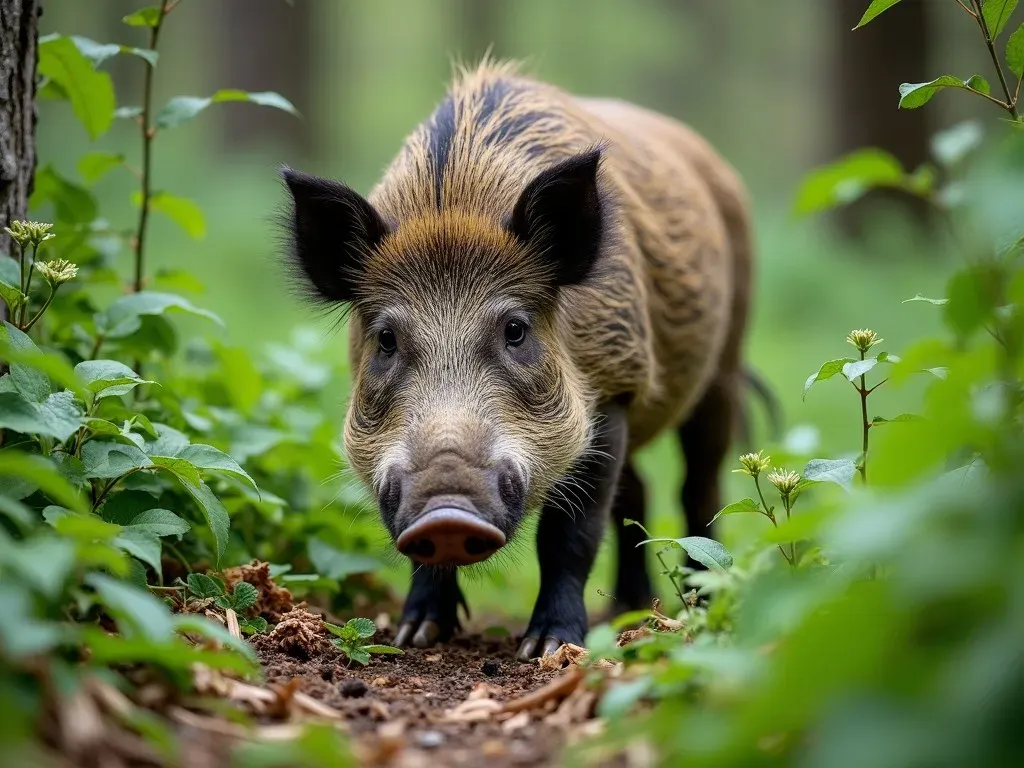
<point>778,87</point>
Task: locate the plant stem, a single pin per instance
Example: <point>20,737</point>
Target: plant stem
<point>792,545</point>
<point>1011,102</point>
<point>771,517</point>
<point>864,392</point>
<point>672,578</point>
<point>49,299</point>
<point>148,134</point>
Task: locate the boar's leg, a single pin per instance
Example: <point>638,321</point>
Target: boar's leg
<point>705,440</point>
<point>431,609</point>
<point>567,544</point>
<point>632,583</point>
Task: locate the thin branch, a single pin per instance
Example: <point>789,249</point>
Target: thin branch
<point>148,133</point>
<point>876,386</point>
<point>1011,103</point>
<point>972,13</point>
<point>864,392</point>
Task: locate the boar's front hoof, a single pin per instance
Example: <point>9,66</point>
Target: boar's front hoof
<point>423,635</point>
<point>532,647</point>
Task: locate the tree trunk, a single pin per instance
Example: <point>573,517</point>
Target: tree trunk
<point>19,34</point>
<point>871,62</point>
<point>266,45</point>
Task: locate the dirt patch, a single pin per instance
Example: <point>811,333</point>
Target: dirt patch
<point>412,710</point>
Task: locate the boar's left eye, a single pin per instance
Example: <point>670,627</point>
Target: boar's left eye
<point>387,341</point>
<point>515,333</point>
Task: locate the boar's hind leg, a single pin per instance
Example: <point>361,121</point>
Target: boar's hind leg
<point>567,543</point>
<point>632,583</point>
<point>431,609</point>
<point>705,440</point>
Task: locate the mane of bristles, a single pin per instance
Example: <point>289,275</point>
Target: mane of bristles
<point>492,132</point>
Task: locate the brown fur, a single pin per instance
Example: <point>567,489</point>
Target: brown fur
<point>663,322</point>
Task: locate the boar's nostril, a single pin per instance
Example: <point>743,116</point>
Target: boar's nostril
<point>450,536</point>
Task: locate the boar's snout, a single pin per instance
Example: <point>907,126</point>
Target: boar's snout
<point>450,532</point>
<point>451,511</point>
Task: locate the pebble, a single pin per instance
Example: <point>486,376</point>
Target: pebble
<point>353,688</point>
<point>430,739</point>
<point>491,667</point>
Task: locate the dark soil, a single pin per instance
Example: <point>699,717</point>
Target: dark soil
<point>396,706</point>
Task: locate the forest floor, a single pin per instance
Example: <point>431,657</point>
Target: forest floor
<point>467,702</point>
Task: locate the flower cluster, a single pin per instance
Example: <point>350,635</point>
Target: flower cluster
<point>863,339</point>
<point>58,271</point>
<point>26,233</point>
<point>754,464</point>
<point>785,481</point>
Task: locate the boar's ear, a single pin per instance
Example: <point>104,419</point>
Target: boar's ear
<point>332,229</point>
<point>559,216</point>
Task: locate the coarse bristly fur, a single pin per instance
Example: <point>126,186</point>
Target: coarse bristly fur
<point>634,287</point>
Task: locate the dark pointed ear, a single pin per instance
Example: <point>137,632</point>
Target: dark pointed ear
<point>333,229</point>
<point>559,216</point>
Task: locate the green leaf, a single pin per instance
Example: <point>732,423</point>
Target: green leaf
<point>44,562</point>
<point>903,417</point>
<point>746,505</point>
<point>847,179</point>
<point>346,633</point>
<point>136,610</point>
<point>169,441</point>
<point>210,458</point>
<point>254,626</point>
<point>363,628</point>
<point>876,7</point>
<point>104,459</point>
<point>144,17</point>
<point>335,564</point>
<point>914,95</point>
<point>979,84</point>
<point>996,14</point>
<point>357,654</point>
<point>181,109</point>
<point>95,165</point>
<point>202,586</point>
<point>620,698</point>
<point>142,545</point>
<point>1015,52</point>
<point>707,552</point>
<point>97,53</point>
<point>30,382</point>
<point>919,297</point>
<point>859,367</point>
<point>244,596</point>
<point>41,474</point>
<point>182,211</point>
<point>214,512</point>
<point>122,317</point>
<point>387,649</point>
<point>159,522</point>
<point>128,113</point>
<point>10,283</point>
<point>628,521</point>
<point>838,471</point>
<point>91,93</point>
<point>827,371</point>
<point>182,468</point>
<point>59,416</point>
<point>954,144</point>
<point>108,377</point>
<point>971,293</point>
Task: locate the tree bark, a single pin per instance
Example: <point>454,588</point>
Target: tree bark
<point>871,62</point>
<point>19,35</point>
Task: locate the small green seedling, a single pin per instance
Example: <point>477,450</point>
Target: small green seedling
<point>350,639</point>
<point>242,597</point>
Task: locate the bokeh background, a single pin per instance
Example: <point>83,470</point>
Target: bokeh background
<point>779,87</point>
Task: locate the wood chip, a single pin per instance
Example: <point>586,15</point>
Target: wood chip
<point>473,711</point>
<point>433,657</point>
<point>484,691</point>
<point>555,690</point>
<point>232,622</point>
<point>516,722</point>
<point>567,653</point>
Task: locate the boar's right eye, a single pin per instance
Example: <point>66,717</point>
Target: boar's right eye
<point>388,342</point>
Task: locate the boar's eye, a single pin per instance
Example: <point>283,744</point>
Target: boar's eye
<point>388,342</point>
<point>515,333</point>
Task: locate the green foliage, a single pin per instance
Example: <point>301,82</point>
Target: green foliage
<point>350,639</point>
<point>914,95</point>
<point>889,622</point>
<point>876,7</point>
<point>69,71</point>
<point>997,14</point>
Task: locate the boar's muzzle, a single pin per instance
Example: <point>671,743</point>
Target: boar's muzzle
<point>450,532</point>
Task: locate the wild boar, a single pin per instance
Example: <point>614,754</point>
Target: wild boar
<point>538,286</point>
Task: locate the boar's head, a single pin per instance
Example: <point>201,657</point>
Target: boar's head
<point>467,405</point>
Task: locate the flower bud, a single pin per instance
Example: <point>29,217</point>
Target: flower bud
<point>785,482</point>
<point>58,271</point>
<point>753,464</point>
<point>863,339</point>
<point>26,233</point>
